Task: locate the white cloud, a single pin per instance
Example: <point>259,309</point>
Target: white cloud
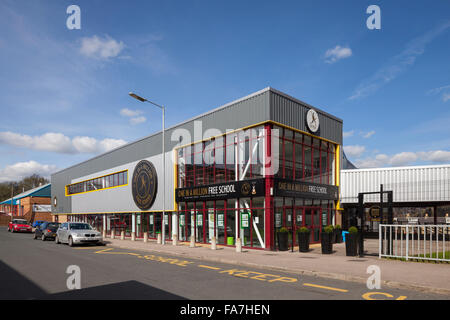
<point>134,116</point>
<point>59,143</point>
<point>435,156</point>
<point>21,170</point>
<point>130,113</point>
<point>403,159</point>
<point>446,97</point>
<point>337,53</point>
<point>138,120</point>
<point>85,144</point>
<point>368,134</point>
<point>398,64</point>
<point>354,151</point>
<point>347,134</point>
<point>110,144</point>
<point>95,47</point>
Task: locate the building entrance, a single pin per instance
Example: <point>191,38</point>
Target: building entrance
<point>295,217</point>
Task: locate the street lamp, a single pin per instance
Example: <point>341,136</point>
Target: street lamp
<point>135,96</point>
<point>12,200</point>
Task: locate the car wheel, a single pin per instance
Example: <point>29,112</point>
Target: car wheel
<point>70,242</point>
<point>57,240</point>
<point>43,237</point>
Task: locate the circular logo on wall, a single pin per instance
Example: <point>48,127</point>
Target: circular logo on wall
<point>144,184</point>
<point>245,189</point>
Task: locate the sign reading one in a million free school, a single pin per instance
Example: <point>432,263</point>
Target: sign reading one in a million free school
<point>289,188</point>
<point>220,191</point>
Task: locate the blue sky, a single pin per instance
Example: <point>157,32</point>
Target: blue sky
<point>64,93</point>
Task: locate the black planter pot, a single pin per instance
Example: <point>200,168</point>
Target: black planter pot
<point>338,236</point>
<point>327,242</point>
<point>303,241</point>
<point>282,238</point>
<point>351,244</point>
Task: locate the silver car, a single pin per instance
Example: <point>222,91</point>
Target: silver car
<point>76,233</point>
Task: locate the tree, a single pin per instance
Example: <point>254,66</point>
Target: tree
<point>23,185</point>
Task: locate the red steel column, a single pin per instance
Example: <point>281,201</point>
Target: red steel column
<point>268,227</point>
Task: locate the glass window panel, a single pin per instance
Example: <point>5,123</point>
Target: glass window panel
<point>308,163</point>
<point>288,160</point>
<point>298,161</point>
<point>316,164</point>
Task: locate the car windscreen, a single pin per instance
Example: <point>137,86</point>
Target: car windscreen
<point>53,225</point>
<point>80,226</point>
<point>20,221</point>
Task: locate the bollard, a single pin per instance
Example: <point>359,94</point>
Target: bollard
<point>113,233</point>
<point>174,239</point>
<point>145,237</point>
<point>213,243</point>
<point>122,235</point>
<point>238,245</point>
<point>158,238</point>
<point>133,236</point>
<point>192,245</point>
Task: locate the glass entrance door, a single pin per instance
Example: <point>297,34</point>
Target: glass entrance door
<point>313,223</point>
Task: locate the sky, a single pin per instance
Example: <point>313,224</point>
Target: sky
<point>64,92</point>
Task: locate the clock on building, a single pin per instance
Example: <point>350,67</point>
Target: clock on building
<point>312,120</point>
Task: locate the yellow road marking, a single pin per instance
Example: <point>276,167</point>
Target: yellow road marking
<point>324,287</point>
<point>401,298</point>
<point>208,267</point>
<point>368,296</point>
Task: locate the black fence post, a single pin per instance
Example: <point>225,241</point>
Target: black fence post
<point>361,216</point>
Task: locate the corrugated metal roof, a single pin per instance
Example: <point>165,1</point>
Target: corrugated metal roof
<point>29,193</point>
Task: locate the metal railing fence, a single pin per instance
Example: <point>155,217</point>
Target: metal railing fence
<point>419,242</point>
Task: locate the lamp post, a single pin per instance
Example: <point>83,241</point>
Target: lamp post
<point>12,200</point>
<point>135,96</point>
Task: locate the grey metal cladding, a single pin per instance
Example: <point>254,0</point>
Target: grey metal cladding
<point>291,112</point>
<point>58,182</point>
<point>266,104</point>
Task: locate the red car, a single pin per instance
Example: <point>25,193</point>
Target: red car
<point>19,225</point>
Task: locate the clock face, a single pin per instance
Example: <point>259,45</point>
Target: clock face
<point>312,120</point>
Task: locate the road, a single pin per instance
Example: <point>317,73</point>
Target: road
<point>33,269</point>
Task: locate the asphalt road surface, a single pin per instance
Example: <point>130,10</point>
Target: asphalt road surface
<point>33,269</point>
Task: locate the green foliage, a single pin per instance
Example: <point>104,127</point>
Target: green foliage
<point>303,230</point>
<point>328,229</point>
<point>337,227</point>
<point>353,230</point>
<point>283,230</point>
<point>18,187</point>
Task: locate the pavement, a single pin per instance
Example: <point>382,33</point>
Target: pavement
<point>36,269</point>
<point>417,276</point>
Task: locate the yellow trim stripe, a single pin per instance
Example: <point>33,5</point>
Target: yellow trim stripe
<point>106,175</point>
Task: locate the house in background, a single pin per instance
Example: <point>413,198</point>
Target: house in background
<point>31,205</point>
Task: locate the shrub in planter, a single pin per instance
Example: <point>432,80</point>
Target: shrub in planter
<point>282,237</point>
<point>303,235</point>
<point>351,242</point>
<point>337,234</point>
<point>327,240</point>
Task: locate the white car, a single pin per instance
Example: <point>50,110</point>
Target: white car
<point>77,233</point>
